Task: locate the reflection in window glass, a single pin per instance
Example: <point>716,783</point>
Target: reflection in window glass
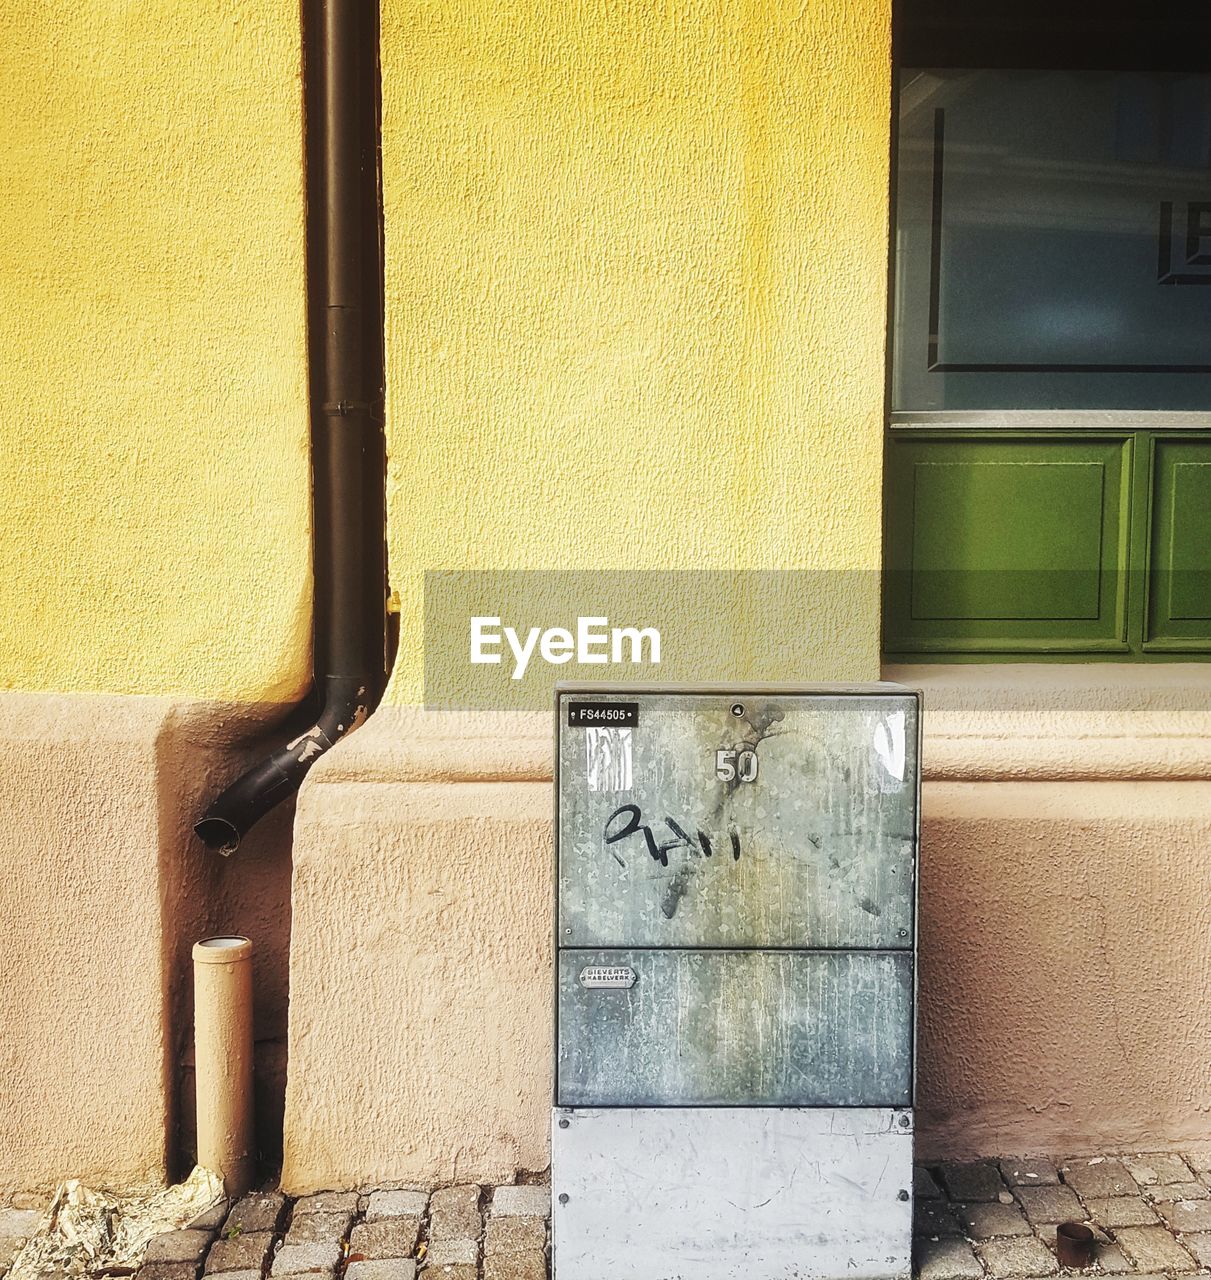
<point>1053,241</point>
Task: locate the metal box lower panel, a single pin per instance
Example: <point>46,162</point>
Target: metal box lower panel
<point>721,1193</point>
<point>731,1028</point>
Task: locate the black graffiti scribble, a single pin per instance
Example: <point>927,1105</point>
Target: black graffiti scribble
<point>632,824</point>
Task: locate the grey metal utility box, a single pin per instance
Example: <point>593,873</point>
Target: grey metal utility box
<point>735,980</point>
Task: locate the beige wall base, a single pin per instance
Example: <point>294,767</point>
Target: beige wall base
<point>104,890</point>
<point>1064,967</point>
<point>1064,920</point>
<point>420,1016</point>
<point>83,1075</point>
<point>1064,964</point>
<point>1064,907</point>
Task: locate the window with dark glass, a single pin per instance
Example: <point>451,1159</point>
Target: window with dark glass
<point>1049,458</point>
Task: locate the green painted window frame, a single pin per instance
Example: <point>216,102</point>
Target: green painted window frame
<point>1153,554</point>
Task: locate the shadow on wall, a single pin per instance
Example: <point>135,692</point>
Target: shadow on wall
<point>207,894</point>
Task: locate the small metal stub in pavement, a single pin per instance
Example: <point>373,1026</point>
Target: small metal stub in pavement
<point>1074,1244</point>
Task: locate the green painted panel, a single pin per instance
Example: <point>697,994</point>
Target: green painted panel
<point>1032,529</point>
<point>1179,578</point>
<point>1005,543</point>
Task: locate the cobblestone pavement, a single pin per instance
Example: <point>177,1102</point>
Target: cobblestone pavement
<point>1151,1215</point>
<point>456,1233</point>
<point>985,1220</point>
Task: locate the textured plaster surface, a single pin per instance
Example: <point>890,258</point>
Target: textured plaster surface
<point>1064,966</point>
<point>85,1046</point>
<point>104,891</point>
<point>636,294</point>
<point>420,982</point>
<point>152,349</point>
<point>1063,957</point>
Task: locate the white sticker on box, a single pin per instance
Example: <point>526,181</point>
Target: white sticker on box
<point>891,745</point>
<point>608,759</point>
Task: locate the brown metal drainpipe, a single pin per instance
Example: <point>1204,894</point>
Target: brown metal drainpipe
<point>348,452</point>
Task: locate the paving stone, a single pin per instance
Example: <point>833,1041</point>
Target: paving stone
<point>935,1218</point>
<point>327,1202</point>
<point>979,1180</point>
<point>1022,1257</point>
<point>1154,1249</point>
<point>1199,1159</point>
<point>515,1235</point>
<point>1051,1204</point>
<point>1111,1259</point>
<point>236,1275</point>
<point>318,1228</point>
<point>382,1269</point>
<point>8,1251</point>
<point>1151,1170</point>
<point>172,1271</point>
<point>396,1204</point>
<point>450,1272</point>
<point>516,1266</point>
<point>18,1224</point>
<point>1188,1215</point>
<point>178,1246</point>
<point>1100,1177</point>
<point>244,1252</point>
<point>924,1185</point>
<point>986,1220</point>
<point>1177,1191</point>
<point>259,1211</point>
<point>299,1259</point>
<point>1200,1246</point>
<point>522,1202</point>
<point>387,1238</point>
<point>454,1214</point>
<point>453,1251</point>
<point>1029,1171</point>
<point>1121,1211</point>
<point>212,1219</point>
<point>947,1260</point>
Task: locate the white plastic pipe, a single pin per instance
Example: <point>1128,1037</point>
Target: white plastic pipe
<point>222,1028</point>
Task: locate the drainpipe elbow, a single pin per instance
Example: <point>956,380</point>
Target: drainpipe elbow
<point>348,701</point>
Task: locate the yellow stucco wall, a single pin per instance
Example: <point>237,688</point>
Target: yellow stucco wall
<point>636,283</point>
<point>153,456</point>
<point>635,252</point>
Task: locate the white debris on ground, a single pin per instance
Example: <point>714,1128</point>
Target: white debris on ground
<point>87,1232</point>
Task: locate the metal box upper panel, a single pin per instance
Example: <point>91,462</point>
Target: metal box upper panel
<point>755,1028</point>
<point>726,1194</point>
<point>777,819</point>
